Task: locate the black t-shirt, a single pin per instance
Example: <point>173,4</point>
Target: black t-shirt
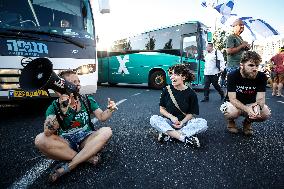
<point>186,99</point>
<point>245,88</point>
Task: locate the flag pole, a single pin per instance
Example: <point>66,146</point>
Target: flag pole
<point>216,20</point>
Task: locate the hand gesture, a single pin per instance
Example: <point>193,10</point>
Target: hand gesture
<point>174,119</point>
<point>253,111</point>
<point>245,45</point>
<point>178,125</point>
<point>111,105</point>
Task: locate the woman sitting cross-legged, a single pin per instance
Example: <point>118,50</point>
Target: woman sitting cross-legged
<point>178,105</point>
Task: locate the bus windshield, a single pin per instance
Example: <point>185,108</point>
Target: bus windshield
<point>70,18</point>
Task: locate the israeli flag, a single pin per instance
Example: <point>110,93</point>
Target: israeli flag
<point>225,10</point>
<point>204,4</point>
<point>258,27</point>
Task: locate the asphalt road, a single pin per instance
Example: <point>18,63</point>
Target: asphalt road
<point>134,159</point>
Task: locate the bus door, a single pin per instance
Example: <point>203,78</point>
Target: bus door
<point>103,66</point>
<point>189,54</point>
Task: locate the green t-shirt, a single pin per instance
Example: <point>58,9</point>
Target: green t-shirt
<point>234,59</point>
<point>74,121</point>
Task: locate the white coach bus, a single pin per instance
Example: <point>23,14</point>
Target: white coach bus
<point>61,30</point>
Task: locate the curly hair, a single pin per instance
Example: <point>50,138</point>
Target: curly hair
<point>251,56</point>
<point>66,73</point>
<point>183,70</point>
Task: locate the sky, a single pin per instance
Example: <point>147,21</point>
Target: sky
<point>130,17</point>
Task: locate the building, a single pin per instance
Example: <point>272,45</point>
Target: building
<point>268,47</point>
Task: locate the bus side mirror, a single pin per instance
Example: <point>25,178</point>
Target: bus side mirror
<point>104,6</point>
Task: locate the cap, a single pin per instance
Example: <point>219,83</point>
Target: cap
<point>237,22</point>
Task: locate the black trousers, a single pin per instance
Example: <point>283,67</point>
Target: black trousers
<point>208,79</point>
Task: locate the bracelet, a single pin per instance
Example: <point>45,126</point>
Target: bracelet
<point>111,110</point>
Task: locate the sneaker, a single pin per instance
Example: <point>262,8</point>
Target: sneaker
<point>192,140</point>
<point>163,137</point>
<point>247,129</point>
<point>232,128</point>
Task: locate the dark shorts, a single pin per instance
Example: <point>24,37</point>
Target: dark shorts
<point>279,78</point>
<point>75,139</point>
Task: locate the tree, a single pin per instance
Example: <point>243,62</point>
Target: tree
<point>150,45</point>
<point>122,44</point>
<point>219,40</point>
<point>169,45</point>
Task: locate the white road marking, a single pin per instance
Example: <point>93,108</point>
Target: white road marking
<point>280,101</point>
<point>136,94</point>
<point>121,101</point>
<point>31,175</point>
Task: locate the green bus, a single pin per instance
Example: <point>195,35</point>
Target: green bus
<point>145,58</point>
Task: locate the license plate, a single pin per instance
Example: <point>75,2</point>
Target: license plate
<point>26,94</point>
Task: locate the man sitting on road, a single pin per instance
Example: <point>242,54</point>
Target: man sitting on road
<point>246,94</point>
<point>68,133</point>
<point>178,106</point>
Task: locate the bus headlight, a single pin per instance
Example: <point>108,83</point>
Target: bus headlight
<point>86,69</point>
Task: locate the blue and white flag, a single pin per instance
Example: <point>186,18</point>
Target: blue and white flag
<point>204,4</point>
<point>224,9</point>
<point>258,27</point>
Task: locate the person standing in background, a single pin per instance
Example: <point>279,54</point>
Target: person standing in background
<point>278,69</point>
<point>212,72</point>
<point>235,46</point>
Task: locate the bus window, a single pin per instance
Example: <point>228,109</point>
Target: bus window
<point>189,47</point>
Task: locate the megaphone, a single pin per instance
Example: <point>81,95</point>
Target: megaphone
<point>39,74</point>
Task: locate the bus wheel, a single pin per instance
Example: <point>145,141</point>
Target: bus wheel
<point>112,84</point>
<point>157,80</point>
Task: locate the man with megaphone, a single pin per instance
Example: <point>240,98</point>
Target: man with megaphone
<point>68,132</point>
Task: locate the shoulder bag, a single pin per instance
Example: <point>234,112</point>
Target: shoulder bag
<point>173,99</point>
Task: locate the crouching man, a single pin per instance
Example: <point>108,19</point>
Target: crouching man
<point>246,94</point>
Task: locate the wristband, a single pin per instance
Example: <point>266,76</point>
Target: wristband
<point>111,110</point>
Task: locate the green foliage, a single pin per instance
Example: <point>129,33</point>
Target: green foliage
<point>122,44</point>
<point>219,40</point>
<point>169,44</point>
<point>150,45</point>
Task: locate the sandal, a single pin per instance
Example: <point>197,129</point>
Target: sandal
<point>55,174</point>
